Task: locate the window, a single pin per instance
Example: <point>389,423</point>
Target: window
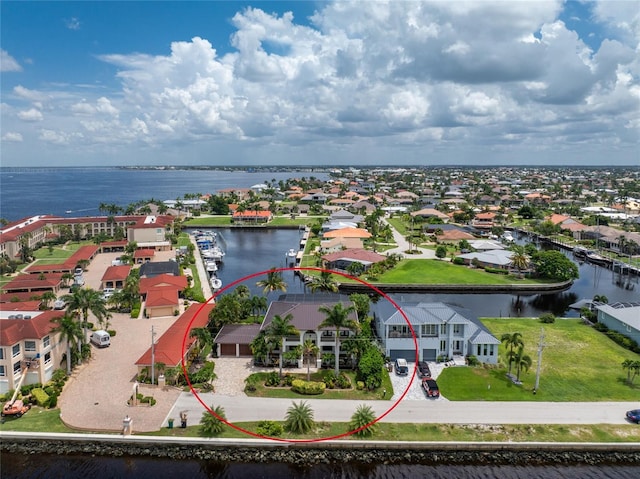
<point>29,346</point>
<point>16,368</point>
<point>479,350</point>
<point>485,349</point>
<point>15,350</point>
<point>443,346</point>
<point>491,350</point>
<point>443,328</point>
<point>2,371</point>
<point>46,342</point>
<point>458,329</point>
<point>429,330</point>
<point>1,353</point>
<point>47,358</point>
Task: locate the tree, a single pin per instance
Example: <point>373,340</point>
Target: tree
<point>355,269</point>
<point>554,265</point>
<point>512,341</point>
<point>633,369</point>
<point>258,304</point>
<point>522,361</point>
<point>25,249</point>
<point>309,349</point>
<point>338,318</point>
<point>362,304</point>
<point>441,251</point>
<point>70,332</point>
<point>213,424</point>
<point>323,282</point>
<point>85,300</point>
<point>519,259</point>
<point>46,299</point>
<point>278,329</point>
<point>203,337</point>
<point>299,418</point>
<point>362,421</point>
<point>272,282</point>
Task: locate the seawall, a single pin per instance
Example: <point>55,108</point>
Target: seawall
<point>364,452</point>
<point>457,288</point>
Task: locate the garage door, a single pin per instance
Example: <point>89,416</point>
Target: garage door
<point>227,350</point>
<point>408,354</point>
<point>245,350</point>
<point>429,354</point>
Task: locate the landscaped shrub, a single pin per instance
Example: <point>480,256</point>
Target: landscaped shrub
<point>472,360</point>
<point>250,383</point>
<point>547,318</point>
<point>458,260</point>
<point>273,379</point>
<point>496,271</point>
<point>359,385</point>
<point>600,327</point>
<point>343,381</point>
<point>148,400</point>
<point>329,378</point>
<point>53,401</point>
<point>287,379</point>
<point>307,387</point>
<point>135,312</point>
<point>270,428</point>
<point>41,397</point>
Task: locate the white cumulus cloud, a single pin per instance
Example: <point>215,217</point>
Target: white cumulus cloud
<point>8,63</point>
<point>31,114</point>
<point>12,136</point>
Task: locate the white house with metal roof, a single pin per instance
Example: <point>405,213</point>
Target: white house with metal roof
<point>440,332</point>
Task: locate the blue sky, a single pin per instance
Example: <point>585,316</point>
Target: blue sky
<point>347,82</point>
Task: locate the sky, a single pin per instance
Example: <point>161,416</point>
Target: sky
<point>401,82</point>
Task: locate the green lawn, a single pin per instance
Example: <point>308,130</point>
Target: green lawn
<point>220,221</point>
<point>431,271</point>
<point>58,253</point>
<point>578,364</point>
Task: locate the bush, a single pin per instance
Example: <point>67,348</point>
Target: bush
<point>496,271</point>
<point>458,260</point>
<point>363,416</point>
<point>330,378</point>
<point>299,418</point>
<point>287,380</point>
<point>53,401</point>
<point>270,428</point>
<point>135,312</point>
<point>600,327</point>
<point>148,400</point>
<point>547,318</point>
<point>273,379</point>
<point>343,381</point>
<point>472,360</point>
<point>112,332</point>
<point>41,397</point>
<point>213,425</point>
<point>307,388</point>
<point>359,385</point>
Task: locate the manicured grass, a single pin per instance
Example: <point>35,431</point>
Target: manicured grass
<point>286,221</point>
<point>444,432</point>
<point>58,253</point>
<point>578,364</point>
<point>353,393</point>
<point>220,221</point>
<point>431,271</point>
<point>36,420</point>
<point>183,240</point>
<point>398,225</point>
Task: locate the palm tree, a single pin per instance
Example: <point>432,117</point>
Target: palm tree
<point>242,291</point>
<point>299,418</point>
<point>324,282</point>
<point>522,361</point>
<point>273,282</point>
<point>279,329</point>
<point>512,341</point>
<point>213,424</point>
<point>203,337</point>
<point>258,304</point>
<point>46,298</point>
<point>85,300</point>
<point>519,259</point>
<point>309,349</point>
<point>628,365</point>
<point>70,332</point>
<point>338,317</point>
<point>362,420</point>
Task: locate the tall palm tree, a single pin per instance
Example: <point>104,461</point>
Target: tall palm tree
<point>242,291</point>
<point>258,304</point>
<point>522,361</point>
<point>85,300</point>
<point>309,349</point>
<point>324,282</point>
<point>203,337</point>
<point>272,282</point>
<point>519,259</point>
<point>512,341</point>
<point>46,298</point>
<point>279,329</point>
<point>70,332</point>
<point>338,317</point>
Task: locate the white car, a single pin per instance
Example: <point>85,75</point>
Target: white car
<point>107,293</point>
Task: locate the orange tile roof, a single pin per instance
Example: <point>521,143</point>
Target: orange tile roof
<point>348,233</point>
<point>30,281</point>
<point>16,330</point>
<point>176,282</point>
<point>144,253</point>
<point>252,214</point>
<point>168,348</point>
<point>161,296</point>
<point>114,273</point>
<point>356,254</point>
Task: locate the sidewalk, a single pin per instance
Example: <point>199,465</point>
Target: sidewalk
<point>403,246</point>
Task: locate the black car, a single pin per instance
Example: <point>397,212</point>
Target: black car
<point>423,370</point>
<point>634,415</point>
<point>430,388</point>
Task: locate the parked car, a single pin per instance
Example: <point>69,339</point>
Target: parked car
<point>59,304</point>
<point>634,415</point>
<point>107,293</point>
<point>423,370</point>
<point>430,388</point>
<point>401,367</point>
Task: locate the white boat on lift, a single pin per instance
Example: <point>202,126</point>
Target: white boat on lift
<point>214,253</point>
<point>216,283</point>
<point>211,266</point>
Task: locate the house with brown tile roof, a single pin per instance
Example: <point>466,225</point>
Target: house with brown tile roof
<point>341,260</point>
<point>430,213</point>
<point>234,340</point>
<point>251,216</point>
<point>484,220</point>
<point>28,346</point>
<point>168,348</point>
<point>115,276</point>
<point>454,236</point>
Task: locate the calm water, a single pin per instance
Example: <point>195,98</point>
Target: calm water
<point>51,467</point>
<point>30,191</point>
<point>55,191</point>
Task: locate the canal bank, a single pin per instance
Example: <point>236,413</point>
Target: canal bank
<point>349,288</point>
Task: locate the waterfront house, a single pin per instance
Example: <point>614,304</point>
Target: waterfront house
<point>251,216</point>
<point>440,330</point>
<point>341,260</point>
<point>428,213</point>
<point>484,221</point>
<point>168,348</point>
<point>496,258</point>
<point>156,268</point>
<point>621,317</point>
<point>234,340</point>
<point>161,294</point>
<point>28,346</point>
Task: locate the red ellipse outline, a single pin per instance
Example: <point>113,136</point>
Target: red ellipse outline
<point>279,439</point>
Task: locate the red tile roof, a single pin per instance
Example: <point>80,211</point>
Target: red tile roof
<point>177,282</point>
<point>252,214</point>
<point>16,330</point>
<point>168,348</point>
<point>31,281</point>
<point>348,233</point>
<point>21,306</point>
<point>86,252</point>
<point>116,273</point>
<point>355,254</point>
<point>144,253</point>
<point>162,296</point>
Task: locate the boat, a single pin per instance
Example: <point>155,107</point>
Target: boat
<point>291,253</point>
<point>596,259</point>
<point>580,252</point>
<point>214,253</point>
<point>211,266</point>
<point>216,283</point>
<point>507,236</point>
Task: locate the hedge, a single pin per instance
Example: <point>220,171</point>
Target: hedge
<point>307,387</point>
<point>41,397</point>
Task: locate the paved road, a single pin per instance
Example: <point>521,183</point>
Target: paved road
<point>410,411</point>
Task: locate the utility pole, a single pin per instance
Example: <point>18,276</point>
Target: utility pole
<point>153,354</point>
<point>541,345</point>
